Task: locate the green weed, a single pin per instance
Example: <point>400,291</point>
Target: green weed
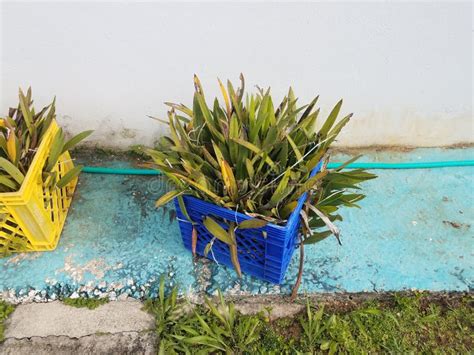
<point>81,302</point>
<point>5,310</point>
<point>406,324</point>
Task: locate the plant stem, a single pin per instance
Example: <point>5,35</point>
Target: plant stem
<point>194,241</point>
<point>235,259</point>
<point>294,293</point>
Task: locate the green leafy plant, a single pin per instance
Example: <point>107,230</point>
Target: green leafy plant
<point>254,157</point>
<point>211,328</point>
<point>5,310</point>
<point>168,317</point>
<point>400,324</point>
<point>229,236</point>
<point>223,330</point>
<point>313,328</point>
<point>21,133</point>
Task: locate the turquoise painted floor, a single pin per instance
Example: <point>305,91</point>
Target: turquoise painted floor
<point>414,231</point>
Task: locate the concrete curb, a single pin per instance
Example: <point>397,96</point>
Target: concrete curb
<point>120,327</point>
<point>58,319</point>
<point>118,343</point>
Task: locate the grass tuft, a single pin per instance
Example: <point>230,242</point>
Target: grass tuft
<point>5,310</point>
<point>90,303</point>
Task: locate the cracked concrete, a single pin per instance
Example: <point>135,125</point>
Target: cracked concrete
<point>118,343</point>
<point>55,318</point>
<point>44,328</point>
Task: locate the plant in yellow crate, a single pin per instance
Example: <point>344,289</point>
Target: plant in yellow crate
<point>37,177</point>
<point>265,164</point>
<point>21,133</point>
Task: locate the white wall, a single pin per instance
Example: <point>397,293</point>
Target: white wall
<point>405,69</point>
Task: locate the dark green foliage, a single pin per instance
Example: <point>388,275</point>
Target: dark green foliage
<point>260,155</point>
<point>211,328</point>
<point>169,316</point>
<point>408,324</point>
<point>251,156</point>
<point>81,302</point>
<point>404,324</point>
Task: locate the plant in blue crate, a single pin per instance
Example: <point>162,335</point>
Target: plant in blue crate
<point>250,178</point>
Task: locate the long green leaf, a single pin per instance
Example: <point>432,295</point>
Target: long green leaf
<point>75,140</point>
<point>288,208</point>
<point>229,180</point>
<point>298,154</point>
<point>199,187</point>
<point>252,224</point>
<point>317,237</point>
<point>217,231</point>
<point>183,208</point>
<point>256,150</point>
<point>350,161</point>
<point>12,170</point>
<point>234,255</point>
<point>180,107</point>
<point>282,189</point>
<point>56,149</point>
<point>69,176</point>
<point>208,118</point>
<point>309,108</point>
<point>8,182</point>
<point>25,110</point>
<point>167,197</point>
<point>331,119</point>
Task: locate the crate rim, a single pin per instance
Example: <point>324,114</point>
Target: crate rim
<point>242,216</point>
<point>34,164</point>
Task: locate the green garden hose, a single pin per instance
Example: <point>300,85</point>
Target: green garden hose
<point>116,171</point>
<point>417,165</point>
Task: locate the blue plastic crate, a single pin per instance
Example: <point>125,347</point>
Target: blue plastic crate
<point>266,258</point>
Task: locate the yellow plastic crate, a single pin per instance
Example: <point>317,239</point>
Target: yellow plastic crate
<point>32,218</point>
